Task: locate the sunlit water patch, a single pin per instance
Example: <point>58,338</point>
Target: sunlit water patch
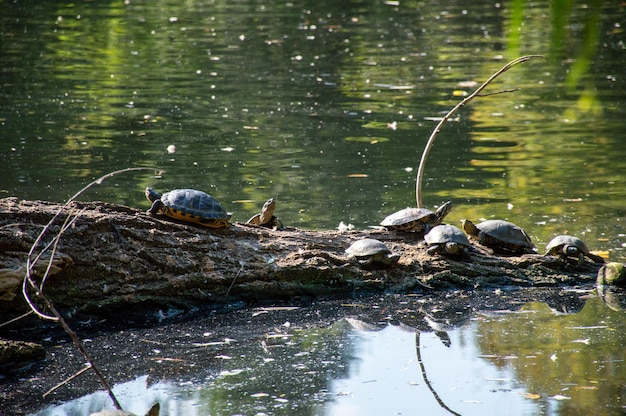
<point>325,107</point>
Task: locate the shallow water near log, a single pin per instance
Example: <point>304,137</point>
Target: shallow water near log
<point>327,106</point>
<point>534,351</point>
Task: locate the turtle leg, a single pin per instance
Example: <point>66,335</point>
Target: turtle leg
<point>156,207</point>
<point>391,259</point>
<point>434,249</point>
<point>596,259</point>
<point>276,223</point>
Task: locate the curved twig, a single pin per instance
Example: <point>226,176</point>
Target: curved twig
<point>444,120</point>
<point>38,289</point>
<point>69,221</point>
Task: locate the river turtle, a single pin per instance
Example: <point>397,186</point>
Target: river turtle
<point>447,239</point>
<point>266,217</point>
<point>416,219</point>
<point>369,250</point>
<point>189,205</point>
<point>567,246</point>
<point>501,236</point>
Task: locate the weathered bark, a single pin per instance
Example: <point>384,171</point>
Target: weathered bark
<point>115,256</point>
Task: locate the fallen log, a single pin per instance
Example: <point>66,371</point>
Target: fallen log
<point>114,257</point>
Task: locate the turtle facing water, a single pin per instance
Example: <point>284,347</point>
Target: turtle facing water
<point>266,217</point>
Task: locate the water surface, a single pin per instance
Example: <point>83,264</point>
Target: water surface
<point>471,354</point>
<point>325,106</point>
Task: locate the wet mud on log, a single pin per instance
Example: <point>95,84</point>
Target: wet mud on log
<point>115,256</point>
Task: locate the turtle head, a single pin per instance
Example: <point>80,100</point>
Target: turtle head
<point>391,259</point>
<point>152,195</point>
<point>453,248</point>
<point>442,211</point>
<point>269,207</point>
<point>267,211</point>
<point>469,228</point>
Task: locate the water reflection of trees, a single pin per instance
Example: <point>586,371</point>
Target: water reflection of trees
<point>554,354</point>
<point>286,372</point>
<point>303,94</point>
<point>283,360</point>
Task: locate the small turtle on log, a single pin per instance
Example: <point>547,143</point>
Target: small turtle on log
<point>266,217</point>
<point>447,239</point>
<point>369,251</point>
<point>567,247</point>
<point>189,205</point>
<point>501,236</point>
<point>416,219</point>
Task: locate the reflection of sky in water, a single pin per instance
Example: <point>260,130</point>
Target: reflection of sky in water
<point>384,378</point>
<point>387,378</point>
<point>134,396</point>
<point>514,362</point>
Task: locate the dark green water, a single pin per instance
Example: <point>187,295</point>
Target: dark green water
<point>325,106</point>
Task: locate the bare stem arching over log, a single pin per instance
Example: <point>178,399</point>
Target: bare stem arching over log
<point>30,284</point>
<point>444,120</point>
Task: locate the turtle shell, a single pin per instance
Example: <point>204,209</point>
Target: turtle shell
<point>501,235</point>
<point>566,243</point>
<point>189,205</point>
<point>447,239</point>
<point>570,246</point>
<point>370,250</point>
<point>416,219</point>
<point>367,247</point>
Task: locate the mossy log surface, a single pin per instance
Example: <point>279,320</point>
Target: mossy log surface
<point>115,256</point>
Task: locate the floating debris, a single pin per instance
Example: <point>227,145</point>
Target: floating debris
<point>342,227</point>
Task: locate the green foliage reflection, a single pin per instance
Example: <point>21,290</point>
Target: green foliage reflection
<point>545,350</point>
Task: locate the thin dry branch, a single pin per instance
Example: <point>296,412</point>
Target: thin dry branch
<point>67,380</point>
<point>444,120</point>
<point>38,289</point>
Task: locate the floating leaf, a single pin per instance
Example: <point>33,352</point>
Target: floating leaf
<point>231,372</point>
<point>560,397</point>
<point>467,84</point>
<point>363,139</point>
